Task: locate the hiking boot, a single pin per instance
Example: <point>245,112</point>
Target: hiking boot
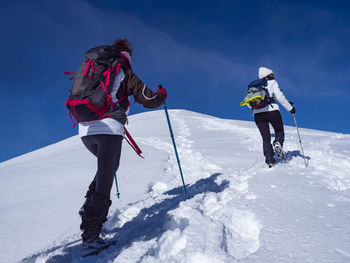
<point>95,204</point>
<point>270,162</point>
<point>94,212</point>
<point>96,243</point>
<point>86,221</point>
<point>92,242</point>
<point>278,149</point>
<point>92,227</point>
<point>82,213</point>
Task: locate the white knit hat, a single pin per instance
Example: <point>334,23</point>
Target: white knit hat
<point>264,72</point>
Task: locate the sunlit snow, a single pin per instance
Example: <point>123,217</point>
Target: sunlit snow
<point>238,209</point>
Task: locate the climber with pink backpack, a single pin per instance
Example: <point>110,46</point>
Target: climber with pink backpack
<point>99,103</point>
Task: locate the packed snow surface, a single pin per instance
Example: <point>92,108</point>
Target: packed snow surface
<point>237,210</point>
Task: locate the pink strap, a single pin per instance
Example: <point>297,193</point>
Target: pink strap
<point>118,67</point>
<point>90,62</point>
<point>126,60</point>
<point>110,102</point>
<point>122,98</point>
<point>262,102</point>
<point>132,143</point>
<point>70,116</point>
<point>104,87</point>
<point>70,73</point>
<point>108,74</point>
<point>76,114</point>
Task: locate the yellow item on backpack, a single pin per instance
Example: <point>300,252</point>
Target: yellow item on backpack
<point>255,99</point>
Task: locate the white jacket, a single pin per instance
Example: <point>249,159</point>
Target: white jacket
<point>276,93</point>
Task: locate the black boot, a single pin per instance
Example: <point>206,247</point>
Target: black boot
<point>88,196</point>
<point>270,162</point>
<point>93,214</point>
<point>82,209</point>
<point>92,242</point>
<point>92,227</point>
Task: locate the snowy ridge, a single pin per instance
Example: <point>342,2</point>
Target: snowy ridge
<point>238,210</point>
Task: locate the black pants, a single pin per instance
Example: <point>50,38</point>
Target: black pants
<point>263,120</point>
<point>107,149</point>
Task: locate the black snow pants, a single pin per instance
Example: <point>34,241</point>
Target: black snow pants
<point>107,149</point>
<point>263,120</point>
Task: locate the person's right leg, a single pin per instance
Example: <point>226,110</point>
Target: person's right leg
<point>107,149</point>
<point>262,123</point>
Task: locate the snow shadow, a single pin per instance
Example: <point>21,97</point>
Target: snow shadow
<point>71,253</point>
<point>154,221</point>
<point>150,223</point>
<point>291,154</point>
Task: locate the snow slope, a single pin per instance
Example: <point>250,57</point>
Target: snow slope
<point>238,210</point>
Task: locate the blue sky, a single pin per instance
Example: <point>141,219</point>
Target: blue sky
<point>203,52</point>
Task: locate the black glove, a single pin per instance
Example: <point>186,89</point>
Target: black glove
<point>292,111</point>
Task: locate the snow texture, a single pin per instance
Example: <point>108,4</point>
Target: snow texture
<point>238,210</point>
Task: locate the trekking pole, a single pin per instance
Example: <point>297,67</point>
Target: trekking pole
<point>177,156</point>
<point>116,184</point>
<point>301,145</point>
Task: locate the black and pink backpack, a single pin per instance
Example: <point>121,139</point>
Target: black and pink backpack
<point>89,98</point>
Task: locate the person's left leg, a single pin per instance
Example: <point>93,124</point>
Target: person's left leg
<point>108,157</point>
<point>92,146</point>
<point>277,124</point>
<point>262,122</point>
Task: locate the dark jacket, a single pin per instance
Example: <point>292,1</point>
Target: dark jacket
<point>133,86</point>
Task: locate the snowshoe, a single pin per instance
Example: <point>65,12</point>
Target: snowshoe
<point>279,150</point>
<point>95,246</point>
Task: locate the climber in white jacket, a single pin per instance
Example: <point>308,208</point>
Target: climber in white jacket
<point>271,114</point>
